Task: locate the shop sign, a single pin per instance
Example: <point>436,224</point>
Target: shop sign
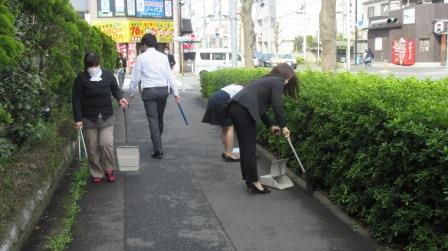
<point>403,52</point>
<point>163,30</point>
<point>133,30</point>
<point>150,8</point>
<point>118,31</point>
<point>409,16</point>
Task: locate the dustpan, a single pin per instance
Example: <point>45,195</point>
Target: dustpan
<point>277,177</point>
<point>128,156</point>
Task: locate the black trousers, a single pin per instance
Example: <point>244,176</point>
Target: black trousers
<point>154,100</point>
<point>246,132</point>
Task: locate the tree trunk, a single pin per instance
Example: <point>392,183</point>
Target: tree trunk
<point>327,26</point>
<point>249,33</point>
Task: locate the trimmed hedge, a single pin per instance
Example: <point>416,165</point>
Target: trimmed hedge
<point>377,146</point>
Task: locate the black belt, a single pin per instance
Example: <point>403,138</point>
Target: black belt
<point>157,87</point>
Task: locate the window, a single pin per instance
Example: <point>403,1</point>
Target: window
<point>378,43</point>
<point>205,56</point>
<point>218,56</point>
<point>385,9</point>
<point>370,12</point>
<point>424,44</point>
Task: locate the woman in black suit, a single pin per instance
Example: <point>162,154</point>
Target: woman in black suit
<point>251,104</point>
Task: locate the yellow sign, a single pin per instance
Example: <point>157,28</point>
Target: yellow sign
<point>118,30</point>
<point>163,30</point>
<point>133,30</point>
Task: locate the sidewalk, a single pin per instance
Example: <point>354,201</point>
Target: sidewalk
<point>192,200</point>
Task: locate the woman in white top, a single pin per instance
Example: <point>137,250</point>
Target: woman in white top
<point>215,114</point>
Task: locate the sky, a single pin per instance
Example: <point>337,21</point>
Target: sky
<point>291,22</point>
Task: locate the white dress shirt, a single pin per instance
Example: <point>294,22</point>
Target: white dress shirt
<point>232,89</point>
<point>153,70</point>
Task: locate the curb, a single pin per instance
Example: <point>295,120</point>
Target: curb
<point>334,209</point>
<point>25,220</point>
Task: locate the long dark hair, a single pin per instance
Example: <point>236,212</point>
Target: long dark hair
<point>91,60</point>
<point>285,72</point>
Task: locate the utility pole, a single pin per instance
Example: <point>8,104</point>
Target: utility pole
<point>181,56</point>
<point>348,35</point>
<point>233,23</point>
<point>304,29</point>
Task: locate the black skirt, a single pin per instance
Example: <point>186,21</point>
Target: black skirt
<point>216,114</point>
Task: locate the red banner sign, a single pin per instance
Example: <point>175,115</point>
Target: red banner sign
<point>403,52</point>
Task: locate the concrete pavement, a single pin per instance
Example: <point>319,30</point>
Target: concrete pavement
<point>192,200</point>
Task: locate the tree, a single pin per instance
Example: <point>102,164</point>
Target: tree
<point>327,24</point>
<point>298,42</point>
<point>249,33</point>
<point>310,41</point>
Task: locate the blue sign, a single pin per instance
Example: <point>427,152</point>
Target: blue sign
<point>150,8</point>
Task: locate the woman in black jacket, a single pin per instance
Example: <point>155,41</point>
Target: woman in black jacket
<point>251,104</point>
<point>93,112</point>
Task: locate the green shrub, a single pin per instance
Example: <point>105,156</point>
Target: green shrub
<point>377,146</point>
<point>300,60</point>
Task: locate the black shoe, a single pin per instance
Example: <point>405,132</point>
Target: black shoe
<point>251,187</point>
<point>157,155</point>
<point>228,158</point>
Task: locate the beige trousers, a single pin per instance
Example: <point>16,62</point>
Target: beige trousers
<point>100,150</point>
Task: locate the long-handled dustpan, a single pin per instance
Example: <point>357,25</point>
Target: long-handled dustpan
<point>128,156</point>
<point>277,177</point>
<point>295,154</point>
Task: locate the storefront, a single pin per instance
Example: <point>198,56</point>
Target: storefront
<point>128,33</point>
<point>126,21</point>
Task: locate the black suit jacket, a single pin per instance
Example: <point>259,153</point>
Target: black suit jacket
<point>171,60</point>
<point>262,94</point>
<point>89,98</point>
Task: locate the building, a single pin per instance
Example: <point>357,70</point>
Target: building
<point>404,32</point>
<point>126,21</point>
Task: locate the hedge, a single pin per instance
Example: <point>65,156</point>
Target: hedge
<point>42,44</point>
<point>378,146</point>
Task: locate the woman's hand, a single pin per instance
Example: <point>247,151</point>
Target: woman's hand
<point>177,99</point>
<point>79,125</point>
<point>275,130</point>
<point>286,132</point>
<point>123,103</point>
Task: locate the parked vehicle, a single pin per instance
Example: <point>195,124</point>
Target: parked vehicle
<point>266,60</point>
<point>284,58</point>
<point>212,59</point>
<point>257,58</point>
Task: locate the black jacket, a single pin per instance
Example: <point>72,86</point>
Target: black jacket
<point>171,60</point>
<point>262,94</point>
<point>89,98</point>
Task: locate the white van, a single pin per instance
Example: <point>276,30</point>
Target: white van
<point>212,59</point>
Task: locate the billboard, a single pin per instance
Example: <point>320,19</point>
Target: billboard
<point>133,30</point>
<point>403,52</point>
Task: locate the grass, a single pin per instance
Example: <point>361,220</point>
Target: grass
<point>60,240</point>
<point>26,171</point>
